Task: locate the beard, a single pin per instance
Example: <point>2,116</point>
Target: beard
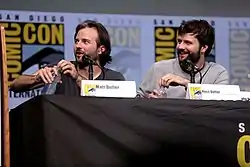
<point>83,59</point>
<point>194,57</point>
<point>191,57</point>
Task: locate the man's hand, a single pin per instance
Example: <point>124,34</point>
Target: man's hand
<point>173,80</point>
<point>46,74</point>
<point>68,68</point>
<point>154,94</point>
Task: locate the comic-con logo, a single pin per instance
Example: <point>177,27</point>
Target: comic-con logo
<point>29,44</point>
<point>90,89</point>
<point>243,152</point>
<point>165,40</point>
<point>195,93</point>
<point>165,36</point>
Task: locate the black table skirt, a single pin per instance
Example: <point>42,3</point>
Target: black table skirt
<point>63,131</point>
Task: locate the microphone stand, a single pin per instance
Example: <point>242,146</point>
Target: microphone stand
<point>91,63</point>
<point>192,74</point>
<point>192,71</point>
<point>91,75</point>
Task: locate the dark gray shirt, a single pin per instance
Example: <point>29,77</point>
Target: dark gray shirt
<point>70,87</point>
<point>212,73</point>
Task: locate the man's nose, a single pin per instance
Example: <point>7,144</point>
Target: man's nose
<point>180,46</point>
<point>78,45</point>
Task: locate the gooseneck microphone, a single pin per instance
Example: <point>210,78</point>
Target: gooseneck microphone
<point>87,59</point>
<point>192,68</point>
<point>90,62</point>
<point>189,66</point>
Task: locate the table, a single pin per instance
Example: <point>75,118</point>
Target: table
<point>58,131</point>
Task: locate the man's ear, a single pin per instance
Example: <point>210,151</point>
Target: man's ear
<point>101,49</point>
<point>204,49</point>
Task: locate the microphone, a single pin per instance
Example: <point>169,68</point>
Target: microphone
<point>88,60</point>
<point>191,67</point>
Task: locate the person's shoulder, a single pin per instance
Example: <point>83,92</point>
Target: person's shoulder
<point>163,64</point>
<point>217,67</point>
<point>113,75</point>
<point>217,73</point>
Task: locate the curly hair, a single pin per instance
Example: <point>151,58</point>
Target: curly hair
<point>202,30</point>
<point>103,39</point>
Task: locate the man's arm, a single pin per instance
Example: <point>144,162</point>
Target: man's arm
<point>33,81</point>
<point>26,82</point>
<point>222,78</point>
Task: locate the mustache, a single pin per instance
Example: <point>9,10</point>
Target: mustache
<point>80,51</point>
<point>180,51</point>
<point>193,57</point>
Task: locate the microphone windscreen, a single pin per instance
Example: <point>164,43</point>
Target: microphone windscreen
<point>87,59</point>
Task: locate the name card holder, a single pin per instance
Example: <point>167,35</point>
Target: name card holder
<point>213,92</point>
<point>101,88</point>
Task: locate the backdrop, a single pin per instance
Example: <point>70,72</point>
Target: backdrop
<point>37,38</point>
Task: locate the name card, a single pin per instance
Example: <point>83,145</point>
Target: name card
<point>213,92</point>
<point>100,88</point>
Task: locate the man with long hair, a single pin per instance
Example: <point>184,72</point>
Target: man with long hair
<point>91,40</point>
